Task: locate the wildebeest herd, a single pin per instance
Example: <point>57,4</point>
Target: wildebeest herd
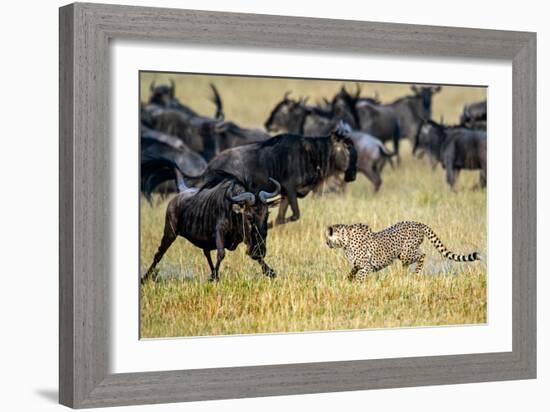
<point>225,177</point>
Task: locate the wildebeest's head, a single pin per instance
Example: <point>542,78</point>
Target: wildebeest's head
<point>288,115</point>
<point>343,105</point>
<point>162,94</point>
<point>425,93</point>
<point>429,136</point>
<point>344,154</point>
<point>253,210</point>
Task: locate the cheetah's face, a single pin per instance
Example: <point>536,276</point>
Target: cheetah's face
<point>336,236</point>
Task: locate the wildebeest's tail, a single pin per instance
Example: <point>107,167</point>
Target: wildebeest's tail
<point>446,252</point>
<point>384,151</point>
<point>156,170</point>
<point>218,102</point>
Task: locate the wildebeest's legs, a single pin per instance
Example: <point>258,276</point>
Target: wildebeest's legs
<point>373,175</point>
<point>167,239</point>
<point>209,259</point>
<point>293,200</point>
<point>283,206</point>
<point>483,177</point>
<point>266,270</point>
<point>220,248</point>
<point>452,174</point>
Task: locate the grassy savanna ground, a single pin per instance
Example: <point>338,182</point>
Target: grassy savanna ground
<point>311,292</point>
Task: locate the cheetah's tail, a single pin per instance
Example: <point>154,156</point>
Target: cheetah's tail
<point>446,252</point>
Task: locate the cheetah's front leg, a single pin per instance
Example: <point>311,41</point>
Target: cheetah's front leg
<point>363,273</point>
<point>352,274</point>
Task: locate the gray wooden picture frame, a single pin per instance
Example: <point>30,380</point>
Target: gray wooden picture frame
<point>85,32</point>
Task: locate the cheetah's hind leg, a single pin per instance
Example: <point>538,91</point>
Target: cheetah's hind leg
<point>420,263</point>
<point>417,258</point>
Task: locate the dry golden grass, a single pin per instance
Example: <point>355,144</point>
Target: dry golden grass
<point>311,291</point>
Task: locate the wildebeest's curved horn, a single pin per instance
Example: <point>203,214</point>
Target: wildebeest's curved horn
<point>287,93</point>
<point>152,87</point>
<point>172,88</point>
<point>414,88</point>
<point>266,196</point>
<point>244,197</point>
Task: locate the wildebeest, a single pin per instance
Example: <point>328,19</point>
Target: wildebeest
<point>218,216</point>
<point>298,163</point>
<point>296,117</point>
<point>475,115</point>
<point>155,145</point>
<point>206,135</point>
<point>455,147</point>
<point>413,110</point>
<point>372,156</point>
<point>164,96</point>
<point>288,116</point>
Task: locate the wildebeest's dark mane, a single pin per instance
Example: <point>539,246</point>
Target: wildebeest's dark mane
<point>212,202</point>
<point>215,177</point>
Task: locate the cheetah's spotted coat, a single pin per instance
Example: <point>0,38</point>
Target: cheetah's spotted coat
<point>370,251</point>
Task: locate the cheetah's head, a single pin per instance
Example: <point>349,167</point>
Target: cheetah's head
<point>336,236</point>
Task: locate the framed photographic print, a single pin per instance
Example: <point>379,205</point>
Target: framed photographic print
<point>257,205</point>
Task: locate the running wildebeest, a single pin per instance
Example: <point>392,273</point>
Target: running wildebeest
<point>455,147</point>
<point>218,216</point>
<point>298,163</point>
<point>474,115</point>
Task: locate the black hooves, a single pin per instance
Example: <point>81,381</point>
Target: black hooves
<point>270,273</point>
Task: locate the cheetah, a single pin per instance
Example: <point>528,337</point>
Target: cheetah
<point>370,251</point>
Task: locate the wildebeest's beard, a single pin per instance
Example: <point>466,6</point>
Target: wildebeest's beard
<point>255,235</point>
<point>344,157</point>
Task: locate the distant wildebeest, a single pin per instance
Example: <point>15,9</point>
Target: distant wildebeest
<point>368,115</point>
<point>288,116</point>
<point>164,96</point>
<point>218,216</point>
<point>474,115</point>
<point>413,110</point>
<point>296,117</point>
<point>372,156</point>
<point>298,163</point>
<point>155,177</point>
<point>315,121</point>
<point>455,148</point>
<point>205,135</point>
